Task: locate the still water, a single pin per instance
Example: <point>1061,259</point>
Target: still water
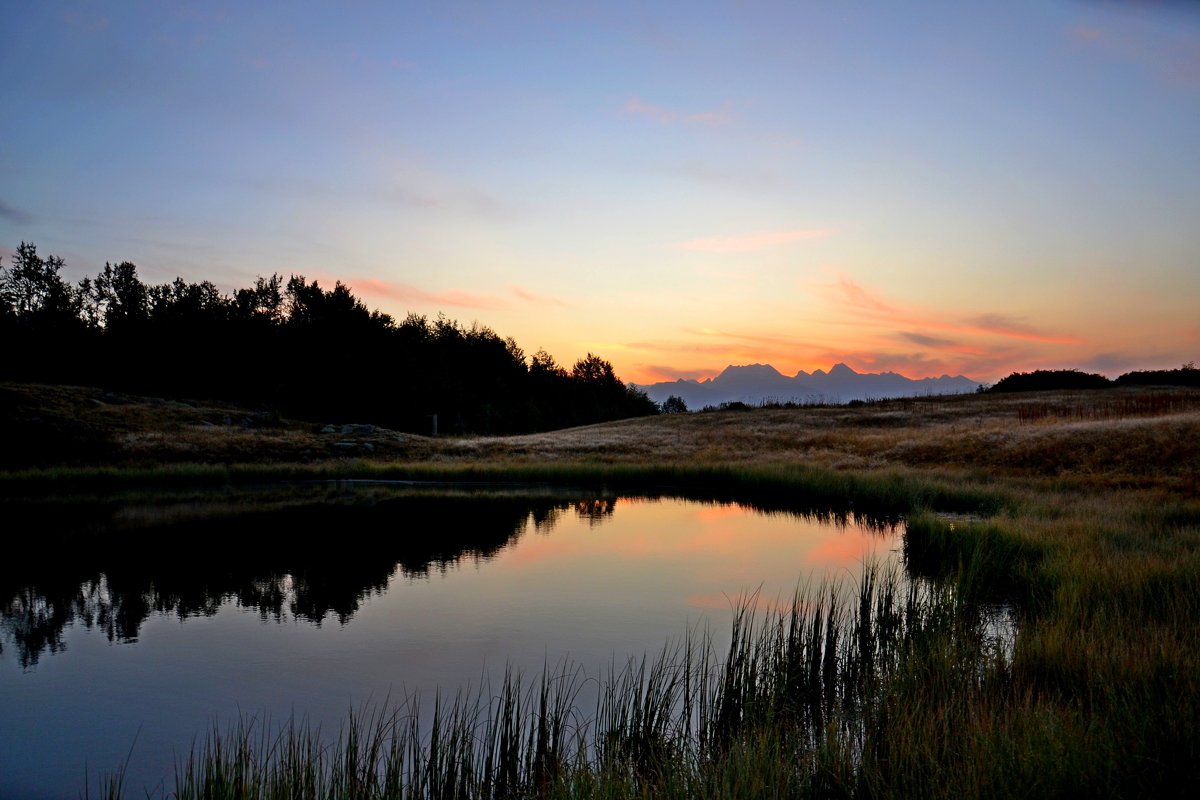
<point>146,621</point>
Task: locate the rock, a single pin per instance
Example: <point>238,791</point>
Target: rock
<point>344,445</point>
<point>363,429</point>
<point>329,429</point>
<point>370,448</point>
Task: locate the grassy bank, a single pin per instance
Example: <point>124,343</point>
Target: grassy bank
<point>1079,510</point>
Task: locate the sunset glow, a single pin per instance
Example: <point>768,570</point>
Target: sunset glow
<point>960,189</point>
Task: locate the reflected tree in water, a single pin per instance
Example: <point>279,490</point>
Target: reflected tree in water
<point>308,557</point>
<point>310,561</point>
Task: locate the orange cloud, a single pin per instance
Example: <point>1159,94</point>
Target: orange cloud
<point>691,348</point>
<point>1007,326</point>
<point>749,242</point>
<point>771,340</point>
<point>870,305</point>
<point>868,331</point>
<point>717,348</point>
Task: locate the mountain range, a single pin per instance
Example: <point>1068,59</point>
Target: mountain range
<point>756,384</point>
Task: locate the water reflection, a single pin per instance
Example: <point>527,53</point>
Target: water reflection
<point>311,599</point>
<point>307,558</point>
<point>307,553</point>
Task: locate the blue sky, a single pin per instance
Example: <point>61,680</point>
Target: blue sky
<point>948,187</point>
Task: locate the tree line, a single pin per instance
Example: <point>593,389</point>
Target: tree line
<point>291,346</point>
<point>1060,379</point>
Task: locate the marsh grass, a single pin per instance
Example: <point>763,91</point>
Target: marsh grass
<point>843,690</point>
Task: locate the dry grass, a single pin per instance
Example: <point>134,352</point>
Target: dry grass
<point>1129,438</point>
<point>970,436</point>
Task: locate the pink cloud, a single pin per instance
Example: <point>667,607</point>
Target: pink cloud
<point>535,298</point>
<point>407,293</point>
<point>656,113</point>
<point>665,116</point>
<point>750,242</point>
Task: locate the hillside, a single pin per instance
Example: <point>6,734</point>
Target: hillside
<point>1147,435</point>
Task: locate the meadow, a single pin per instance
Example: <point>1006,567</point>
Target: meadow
<point>1077,513</point>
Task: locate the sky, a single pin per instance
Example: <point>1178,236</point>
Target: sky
<point>933,188</point>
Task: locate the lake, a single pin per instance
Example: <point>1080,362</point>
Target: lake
<point>145,620</point>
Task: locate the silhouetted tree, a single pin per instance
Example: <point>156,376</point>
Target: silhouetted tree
<point>292,346</point>
<point>33,289</point>
<point>1048,380</point>
<point>122,296</point>
<point>1187,375</point>
<point>41,324</point>
<point>674,405</point>
<point>263,301</point>
<point>601,396</point>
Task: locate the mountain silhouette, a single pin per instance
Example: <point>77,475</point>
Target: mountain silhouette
<point>755,384</point>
